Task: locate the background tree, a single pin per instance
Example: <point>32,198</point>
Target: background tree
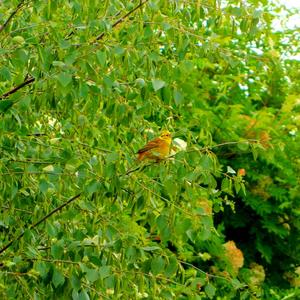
<point>84,84</point>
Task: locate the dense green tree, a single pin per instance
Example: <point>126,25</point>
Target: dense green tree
<point>84,84</point>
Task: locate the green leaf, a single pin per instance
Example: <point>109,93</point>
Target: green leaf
<point>163,226</point>
<point>245,295</point>
<point>230,170</point>
<point>257,13</point>
<point>170,185</point>
<point>158,84</point>
<point>57,251</point>
<point>237,186</point>
<point>25,102</point>
<point>101,57</point>
<point>148,32</point>
<point>140,82</point>
<point>93,186</point>
<point>226,185</point>
<point>236,11</point>
<point>178,97</point>
<point>22,55</point>
<point>172,267</point>
<point>110,282</point>
<point>157,265</point>
<point>244,146</point>
<point>59,64</point>
<point>108,81</point>
<point>206,162</point>
<point>42,268</point>
<point>118,50</point>
<point>237,284</point>
<point>92,275</point>
<point>131,254</point>
<point>210,290</point>
<point>43,185</point>
<point>83,295</point>
<point>110,170</point>
<point>75,281</point>
<point>64,78</point>
<point>51,230</point>
<point>151,248</point>
<point>5,74</point>
<point>64,44</point>
<point>5,105</point>
<point>104,271</point>
<point>57,278</point>
<point>112,157</point>
<point>198,283</point>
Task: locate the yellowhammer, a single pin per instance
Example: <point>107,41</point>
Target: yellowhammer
<point>156,149</point>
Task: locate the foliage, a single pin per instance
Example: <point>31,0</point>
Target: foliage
<point>84,84</point>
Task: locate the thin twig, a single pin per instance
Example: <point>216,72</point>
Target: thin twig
<point>40,221</point>
<point>25,287</point>
<point>19,6</point>
<point>37,173</point>
<point>232,143</point>
<point>135,169</point>
<point>149,275</point>
<point>128,172</point>
<point>17,273</point>
<point>36,134</point>
<point>203,272</point>
<point>142,167</point>
<point>100,36</point>
<point>169,201</point>
<point>94,147</point>
<point>61,261</point>
<point>33,161</point>
<point>26,82</point>
<point>206,148</point>
<point>18,209</point>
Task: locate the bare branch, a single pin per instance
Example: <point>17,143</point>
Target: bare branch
<point>203,272</point>
<point>19,6</point>
<point>29,161</point>
<point>40,221</point>
<point>26,82</point>
<point>100,36</point>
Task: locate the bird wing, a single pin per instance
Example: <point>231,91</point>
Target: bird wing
<point>150,145</point>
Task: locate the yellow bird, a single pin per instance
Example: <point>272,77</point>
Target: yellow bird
<point>156,149</point>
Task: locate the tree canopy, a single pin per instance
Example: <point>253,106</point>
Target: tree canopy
<point>84,85</point>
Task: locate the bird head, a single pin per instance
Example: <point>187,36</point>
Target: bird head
<point>166,136</point>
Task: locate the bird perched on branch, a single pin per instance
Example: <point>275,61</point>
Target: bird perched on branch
<point>156,149</point>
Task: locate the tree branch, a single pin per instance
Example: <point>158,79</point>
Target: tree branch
<point>26,82</point>
<point>127,173</point>
<point>100,36</point>
<point>40,221</point>
<point>203,272</point>
<point>19,6</point>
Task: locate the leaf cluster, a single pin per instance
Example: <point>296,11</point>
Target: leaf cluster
<point>84,85</point>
